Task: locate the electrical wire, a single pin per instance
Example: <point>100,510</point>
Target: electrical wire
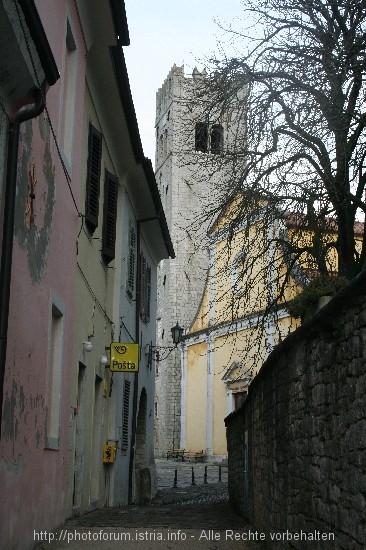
<point>95,296</point>
<point>67,176</point>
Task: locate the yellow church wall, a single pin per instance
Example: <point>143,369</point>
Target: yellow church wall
<point>241,346</point>
<point>223,352</point>
<point>230,301</point>
<point>228,349</point>
<point>202,317</point>
<point>237,304</point>
<point>303,239</point>
<point>196,397</point>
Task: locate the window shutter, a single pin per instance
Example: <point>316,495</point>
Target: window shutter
<point>131,259</point>
<point>145,290</point>
<point>109,217</point>
<point>93,178</point>
<point>148,293</point>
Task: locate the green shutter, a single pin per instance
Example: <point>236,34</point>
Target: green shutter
<point>109,217</point>
<point>93,178</point>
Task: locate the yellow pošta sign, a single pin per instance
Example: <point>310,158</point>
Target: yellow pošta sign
<point>124,357</point>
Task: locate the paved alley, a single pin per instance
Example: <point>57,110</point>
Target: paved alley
<point>188,516</point>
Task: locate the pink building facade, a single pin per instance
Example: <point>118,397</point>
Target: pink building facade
<point>36,365</point>
<point>77,199</point>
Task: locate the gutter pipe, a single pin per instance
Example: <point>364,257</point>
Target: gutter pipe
<point>131,468</point>
<point>8,224</point>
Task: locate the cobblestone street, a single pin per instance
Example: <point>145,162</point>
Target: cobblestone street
<point>183,517</point>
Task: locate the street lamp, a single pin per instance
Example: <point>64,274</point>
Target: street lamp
<point>160,353</point>
<point>177,333</point>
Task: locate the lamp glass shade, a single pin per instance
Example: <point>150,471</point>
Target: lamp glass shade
<point>177,333</point>
<point>88,346</point>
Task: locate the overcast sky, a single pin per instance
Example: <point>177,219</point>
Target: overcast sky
<point>164,32</point>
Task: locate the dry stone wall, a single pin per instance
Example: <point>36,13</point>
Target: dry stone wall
<point>297,447</point>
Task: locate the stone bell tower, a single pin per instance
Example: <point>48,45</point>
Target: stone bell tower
<point>187,150</point>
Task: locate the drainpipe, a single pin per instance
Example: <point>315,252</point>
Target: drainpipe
<point>136,381</point>
<point>8,224</point>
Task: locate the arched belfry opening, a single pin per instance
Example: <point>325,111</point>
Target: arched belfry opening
<point>201,137</point>
<point>217,139</point>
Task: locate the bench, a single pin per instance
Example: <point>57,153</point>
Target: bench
<point>194,455</point>
<point>176,453</point>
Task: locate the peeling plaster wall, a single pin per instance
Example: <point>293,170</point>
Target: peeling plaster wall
<point>34,237</point>
<point>33,477</point>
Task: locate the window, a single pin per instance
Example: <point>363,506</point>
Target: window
<point>217,139</point>
<point>201,137</point>
<point>69,92</point>
<point>93,178</point>
<point>161,148</point>
<point>54,381</point>
<point>165,144</point>
<point>145,290</point>
<point>239,399</point>
<point>109,217</point>
<point>238,273</point>
<point>131,259</point>
<point>125,414</point>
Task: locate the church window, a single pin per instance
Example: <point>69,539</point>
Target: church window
<point>238,272</point>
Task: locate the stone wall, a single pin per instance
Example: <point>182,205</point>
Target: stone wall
<point>302,469</point>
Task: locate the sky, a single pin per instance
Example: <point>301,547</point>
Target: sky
<point>164,32</point>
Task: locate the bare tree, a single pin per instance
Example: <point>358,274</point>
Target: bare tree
<point>291,170</point>
<point>303,116</point>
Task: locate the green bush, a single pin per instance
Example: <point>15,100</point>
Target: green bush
<point>321,286</point>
